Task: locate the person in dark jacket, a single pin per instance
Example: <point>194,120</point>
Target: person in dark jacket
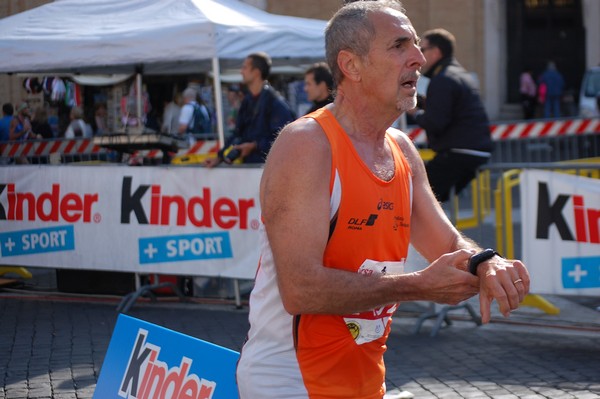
<point>262,114</point>
<point>454,117</point>
<point>555,84</point>
<point>318,85</point>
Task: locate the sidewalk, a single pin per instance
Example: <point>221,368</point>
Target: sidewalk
<point>53,345</point>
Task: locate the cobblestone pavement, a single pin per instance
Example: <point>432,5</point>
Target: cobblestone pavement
<point>53,346</point>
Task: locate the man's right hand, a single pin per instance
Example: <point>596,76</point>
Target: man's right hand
<point>211,162</point>
<point>447,281</point>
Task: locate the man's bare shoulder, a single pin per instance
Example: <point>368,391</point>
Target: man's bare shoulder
<point>302,139</point>
<point>409,150</point>
<point>297,170</point>
<point>404,142</point>
<point>401,137</point>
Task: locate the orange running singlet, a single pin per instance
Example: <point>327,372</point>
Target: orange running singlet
<point>333,356</point>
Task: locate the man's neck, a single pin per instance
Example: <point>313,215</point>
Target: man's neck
<point>255,87</point>
<point>350,111</point>
<point>366,130</point>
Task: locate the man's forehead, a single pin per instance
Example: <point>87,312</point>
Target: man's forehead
<point>393,20</point>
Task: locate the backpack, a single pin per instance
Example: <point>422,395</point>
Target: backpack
<point>201,121</point>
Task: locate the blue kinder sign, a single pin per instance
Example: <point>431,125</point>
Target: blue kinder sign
<point>581,272</point>
<point>146,361</point>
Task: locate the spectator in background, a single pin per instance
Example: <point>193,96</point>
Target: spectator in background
<point>454,118</point>
<point>100,123</point>
<point>528,91</point>
<point>53,121</point>
<point>194,117</point>
<point>20,125</point>
<point>170,119</point>
<point>7,116</point>
<point>40,125</point>
<point>262,114</point>
<point>20,129</point>
<point>129,105</point>
<point>235,96</point>
<point>318,85</point>
<point>555,83</point>
<point>77,127</point>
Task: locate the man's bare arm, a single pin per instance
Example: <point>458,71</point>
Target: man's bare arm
<point>295,206</point>
<point>433,234</point>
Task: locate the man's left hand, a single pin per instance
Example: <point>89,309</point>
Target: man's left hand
<point>506,281</point>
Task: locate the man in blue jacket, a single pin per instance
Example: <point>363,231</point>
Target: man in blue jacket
<point>555,83</point>
<point>453,117</point>
<point>262,114</point>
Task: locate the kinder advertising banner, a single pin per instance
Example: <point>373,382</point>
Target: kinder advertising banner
<point>561,226</point>
<point>146,361</point>
<point>190,221</point>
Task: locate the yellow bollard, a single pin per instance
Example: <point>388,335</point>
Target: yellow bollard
<point>21,271</point>
<point>539,302</point>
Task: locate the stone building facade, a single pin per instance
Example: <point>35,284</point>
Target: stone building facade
<point>496,39</point>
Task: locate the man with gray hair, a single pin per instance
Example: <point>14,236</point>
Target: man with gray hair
<point>342,196</point>
<point>194,118</point>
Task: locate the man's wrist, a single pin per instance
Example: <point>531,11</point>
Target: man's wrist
<point>479,258</point>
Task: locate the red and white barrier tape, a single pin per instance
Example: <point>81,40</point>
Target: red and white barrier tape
<point>40,148</point>
<point>521,130</point>
<point>499,131</point>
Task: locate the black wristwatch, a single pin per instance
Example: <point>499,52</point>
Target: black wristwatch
<point>481,257</point>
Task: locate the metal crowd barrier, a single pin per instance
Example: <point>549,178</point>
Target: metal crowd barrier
<point>504,199</point>
<point>547,149</point>
<point>503,204</point>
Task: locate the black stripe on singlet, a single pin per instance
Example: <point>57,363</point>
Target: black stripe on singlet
<point>332,224</point>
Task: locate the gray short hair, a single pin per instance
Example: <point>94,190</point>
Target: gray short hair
<point>350,29</point>
<point>190,93</point>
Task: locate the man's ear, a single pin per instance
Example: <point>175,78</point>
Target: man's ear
<point>349,64</point>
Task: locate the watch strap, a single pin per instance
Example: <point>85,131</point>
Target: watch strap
<point>481,257</point>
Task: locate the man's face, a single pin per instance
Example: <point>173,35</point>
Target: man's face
<point>248,72</point>
<point>432,54</point>
<point>314,91</point>
<point>394,61</point>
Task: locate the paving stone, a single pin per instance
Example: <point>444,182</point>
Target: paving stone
<point>55,350</point>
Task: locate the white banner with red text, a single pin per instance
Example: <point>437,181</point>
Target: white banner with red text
<point>560,227</point>
<point>166,220</point>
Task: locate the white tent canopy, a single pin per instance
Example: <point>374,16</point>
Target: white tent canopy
<point>161,36</point>
<point>153,37</point>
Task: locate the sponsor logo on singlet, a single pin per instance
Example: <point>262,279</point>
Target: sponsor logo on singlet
<point>358,223</point>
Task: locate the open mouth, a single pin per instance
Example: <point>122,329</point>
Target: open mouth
<point>410,80</point>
